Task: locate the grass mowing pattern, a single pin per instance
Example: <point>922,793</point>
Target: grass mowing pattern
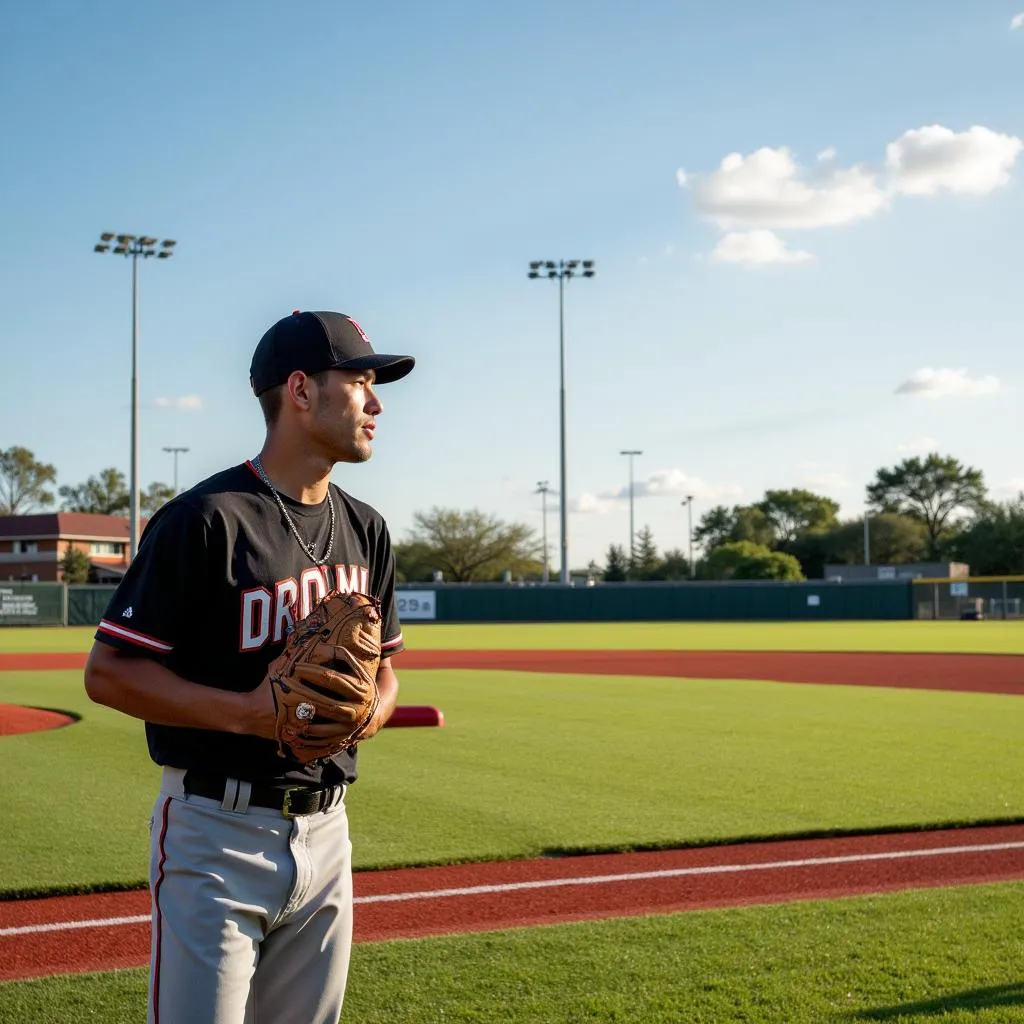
<point>990,637</point>
<point>529,763</point>
<point>915,957</point>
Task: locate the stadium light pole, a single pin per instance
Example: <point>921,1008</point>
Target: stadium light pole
<point>632,556</point>
<point>134,246</point>
<point>562,270</point>
<point>542,490</point>
<point>175,452</point>
<point>689,528</point>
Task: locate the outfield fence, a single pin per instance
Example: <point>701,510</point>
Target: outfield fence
<point>969,597</point>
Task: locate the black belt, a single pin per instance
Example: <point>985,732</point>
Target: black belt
<point>291,801</point>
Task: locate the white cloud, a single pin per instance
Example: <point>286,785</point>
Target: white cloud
<point>919,446</point>
<point>756,248</point>
<point>1017,21</point>
<point>748,195</point>
<point>671,483</point>
<point>925,160</point>
<point>826,481</point>
<point>591,504</point>
<point>943,383</point>
<point>767,189</point>
<point>185,403</point>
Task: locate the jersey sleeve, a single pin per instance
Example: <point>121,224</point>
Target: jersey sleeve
<point>157,597</point>
<point>391,641</point>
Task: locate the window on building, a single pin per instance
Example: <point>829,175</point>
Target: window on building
<point>106,547</point>
<point>25,547</point>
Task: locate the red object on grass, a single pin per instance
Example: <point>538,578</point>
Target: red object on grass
<point>407,715</point>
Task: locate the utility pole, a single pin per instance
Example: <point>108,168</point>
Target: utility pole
<point>542,490</point>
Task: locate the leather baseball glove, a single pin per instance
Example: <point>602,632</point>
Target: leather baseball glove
<point>324,682</point>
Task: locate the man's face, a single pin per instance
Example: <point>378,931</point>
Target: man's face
<point>344,416</point>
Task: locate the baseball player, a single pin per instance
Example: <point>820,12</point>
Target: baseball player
<point>250,858</point>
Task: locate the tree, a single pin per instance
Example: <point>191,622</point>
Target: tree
<point>468,546</point>
<point>721,525</point>
<point>74,565</point>
<point>154,496</point>
<point>795,512</point>
<point>106,494</point>
<point>771,565</point>
<point>616,564</point>
<point>645,557</point>
<point>932,490</point>
<point>722,562</point>
<point>674,566</point>
<point>414,561</point>
<point>23,482</point>
<point>993,544</point>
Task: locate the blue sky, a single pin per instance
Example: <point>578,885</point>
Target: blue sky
<point>806,219</point>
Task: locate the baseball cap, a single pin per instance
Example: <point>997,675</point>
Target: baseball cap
<point>315,341</point>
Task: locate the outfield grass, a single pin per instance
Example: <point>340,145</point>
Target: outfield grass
<point>943,637</point>
<point>529,763</point>
<point>952,955</point>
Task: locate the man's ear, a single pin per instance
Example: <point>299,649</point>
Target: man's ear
<point>299,388</point>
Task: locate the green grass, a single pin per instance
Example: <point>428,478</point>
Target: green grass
<point>968,637</point>
<point>917,957</point>
<point>530,763</point>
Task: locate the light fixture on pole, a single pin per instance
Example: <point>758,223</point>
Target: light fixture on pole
<point>632,555</point>
<point>134,246</point>
<point>689,528</point>
<point>562,270</point>
<point>543,490</point>
<point>175,452</point>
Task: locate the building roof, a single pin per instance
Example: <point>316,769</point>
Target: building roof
<point>67,526</point>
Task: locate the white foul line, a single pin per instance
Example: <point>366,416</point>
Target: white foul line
<point>551,883</point>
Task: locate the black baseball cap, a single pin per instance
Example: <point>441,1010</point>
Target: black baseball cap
<point>315,341</point>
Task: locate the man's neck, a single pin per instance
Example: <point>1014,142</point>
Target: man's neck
<point>301,476</point>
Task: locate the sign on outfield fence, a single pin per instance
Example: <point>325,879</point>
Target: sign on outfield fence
<point>416,604</point>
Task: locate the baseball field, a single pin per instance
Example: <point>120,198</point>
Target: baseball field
<point>652,822</point>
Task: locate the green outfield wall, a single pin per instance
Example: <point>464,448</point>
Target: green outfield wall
<point>26,604</point>
<point>654,602</point>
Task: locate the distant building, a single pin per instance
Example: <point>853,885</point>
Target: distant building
<point>909,571</point>
<point>31,547</point>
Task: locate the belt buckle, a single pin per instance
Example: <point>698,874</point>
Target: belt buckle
<point>286,803</point>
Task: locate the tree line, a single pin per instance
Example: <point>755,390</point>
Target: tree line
<point>27,486</point>
<point>923,509</point>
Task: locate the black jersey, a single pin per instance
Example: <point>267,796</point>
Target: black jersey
<point>218,580</point>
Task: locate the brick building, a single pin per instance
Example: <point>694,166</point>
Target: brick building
<point>31,547</point>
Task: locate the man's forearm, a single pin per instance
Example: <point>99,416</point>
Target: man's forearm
<point>144,689</point>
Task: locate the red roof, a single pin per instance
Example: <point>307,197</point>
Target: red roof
<point>67,525</point>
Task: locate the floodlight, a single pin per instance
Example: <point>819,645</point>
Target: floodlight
<point>122,249</point>
<point>107,236</point>
<point>125,239</point>
<point>147,241</point>
<point>100,248</point>
<point>168,243</point>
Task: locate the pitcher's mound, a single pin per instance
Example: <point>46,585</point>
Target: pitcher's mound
<point>15,719</point>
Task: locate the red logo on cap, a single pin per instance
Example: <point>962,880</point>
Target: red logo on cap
<point>362,333</point>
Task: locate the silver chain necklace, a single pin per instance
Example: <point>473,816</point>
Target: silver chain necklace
<point>308,548</point>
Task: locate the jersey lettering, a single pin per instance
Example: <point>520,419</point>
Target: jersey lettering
<point>255,618</point>
<point>352,579</point>
<point>267,616</point>
<point>286,597</point>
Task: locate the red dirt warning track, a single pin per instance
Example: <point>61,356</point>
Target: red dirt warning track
<point>983,673</point>
<point>103,932</point>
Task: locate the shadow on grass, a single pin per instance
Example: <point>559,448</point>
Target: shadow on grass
<point>973,999</point>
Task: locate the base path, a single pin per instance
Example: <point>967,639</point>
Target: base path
<point>103,932</point>
<point>982,673</point>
